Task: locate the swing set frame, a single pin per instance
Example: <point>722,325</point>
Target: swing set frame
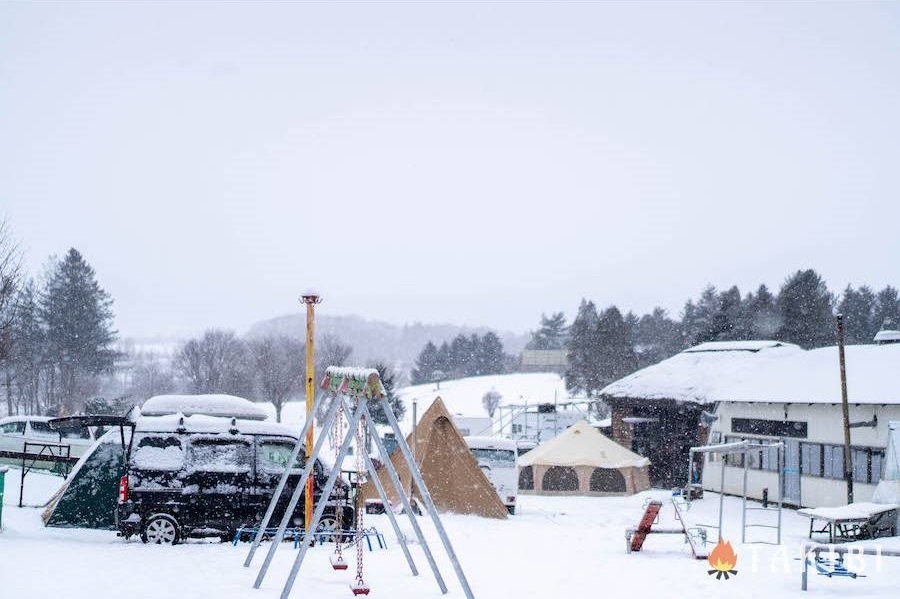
<point>358,385</point>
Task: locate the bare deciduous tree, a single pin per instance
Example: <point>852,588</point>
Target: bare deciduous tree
<point>215,363</point>
<point>330,352</point>
<point>10,274</point>
<point>491,401</point>
<point>279,368</point>
<point>150,378</point>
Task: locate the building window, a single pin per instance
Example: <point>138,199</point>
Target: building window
<point>833,461</point>
<point>769,459</point>
<point>734,459</point>
<point>811,459</point>
<point>877,464</point>
<point>769,428</point>
<point>859,459</point>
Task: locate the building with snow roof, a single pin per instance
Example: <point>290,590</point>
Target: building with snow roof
<point>766,391</point>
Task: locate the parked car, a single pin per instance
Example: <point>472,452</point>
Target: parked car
<point>15,431</point>
<point>497,458</point>
<point>209,476</point>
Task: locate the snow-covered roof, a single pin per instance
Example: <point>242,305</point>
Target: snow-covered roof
<point>582,445</point>
<point>751,346</point>
<point>887,336</point>
<point>783,373</point>
<point>208,405</point>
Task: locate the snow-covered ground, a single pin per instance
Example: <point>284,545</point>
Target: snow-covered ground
<point>555,547</point>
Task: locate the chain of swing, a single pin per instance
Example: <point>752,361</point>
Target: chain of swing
<point>359,586</point>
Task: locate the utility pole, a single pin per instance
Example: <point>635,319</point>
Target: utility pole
<point>415,423</point>
<point>310,298</point>
<point>848,466</point>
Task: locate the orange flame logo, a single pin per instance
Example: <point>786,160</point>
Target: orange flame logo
<point>723,559</point>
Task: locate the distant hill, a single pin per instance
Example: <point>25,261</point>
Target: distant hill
<point>371,340</point>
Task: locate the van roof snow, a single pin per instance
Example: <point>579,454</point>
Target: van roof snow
<point>221,405</point>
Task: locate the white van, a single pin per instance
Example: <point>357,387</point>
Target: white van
<point>15,431</point>
<point>497,458</point>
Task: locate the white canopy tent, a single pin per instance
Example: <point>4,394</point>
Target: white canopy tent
<point>582,461</point>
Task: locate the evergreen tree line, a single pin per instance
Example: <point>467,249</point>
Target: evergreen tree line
<point>57,336</point>
<point>57,355</point>
<point>604,346</point>
<point>462,357</point>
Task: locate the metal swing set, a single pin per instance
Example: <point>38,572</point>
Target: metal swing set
<point>350,389</point>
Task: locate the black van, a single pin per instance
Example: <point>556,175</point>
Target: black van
<point>207,476</point>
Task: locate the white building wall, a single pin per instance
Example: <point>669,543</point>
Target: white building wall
<point>824,425</point>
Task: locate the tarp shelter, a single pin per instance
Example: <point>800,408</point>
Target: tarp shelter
<point>88,497</point>
<point>450,471</point>
<point>582,461</point>
<point>888,489</point>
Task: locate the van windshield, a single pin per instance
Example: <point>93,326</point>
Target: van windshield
<point>274,456</point>
<point>496,457</point>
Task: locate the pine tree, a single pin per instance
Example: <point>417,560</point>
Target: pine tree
<point>582,375</point>
<point>78,316</point>
<point>444,367</point>
<point>551,334</point>
<point>389,380</point>
<point>657,337</point>
<point>28,356</point>
<point>726,321</point>
<point>887,310</point>
<point>858,308</point>
<point>762,314</point>
<point>490,356</point>
<point>461,353</point>
<point>806,309</point>
<point>426,365</point>
<point>615,351</point>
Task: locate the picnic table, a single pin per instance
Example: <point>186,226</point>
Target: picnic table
<point>855,521</point>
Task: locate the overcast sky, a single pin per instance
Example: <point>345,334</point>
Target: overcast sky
<point>462,163</point>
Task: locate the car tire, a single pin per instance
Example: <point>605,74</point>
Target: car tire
<point>327,524</point>
<point>161,529</point>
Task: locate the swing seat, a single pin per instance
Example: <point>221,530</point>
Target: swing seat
<point>338,563</point>
<point>359,588</point>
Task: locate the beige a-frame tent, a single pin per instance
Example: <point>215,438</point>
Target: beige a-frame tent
<point>582,461</point>
<point>455,481</point>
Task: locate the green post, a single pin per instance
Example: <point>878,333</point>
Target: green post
<point>3,470</point>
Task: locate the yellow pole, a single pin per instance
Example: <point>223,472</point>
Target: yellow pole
<point>310,299</point>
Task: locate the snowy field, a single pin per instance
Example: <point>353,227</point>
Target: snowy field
<point>461,396</point>
<point>555,547</point>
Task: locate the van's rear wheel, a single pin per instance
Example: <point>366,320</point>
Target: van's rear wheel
<point>325,532</point>
<point>161,530</point>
